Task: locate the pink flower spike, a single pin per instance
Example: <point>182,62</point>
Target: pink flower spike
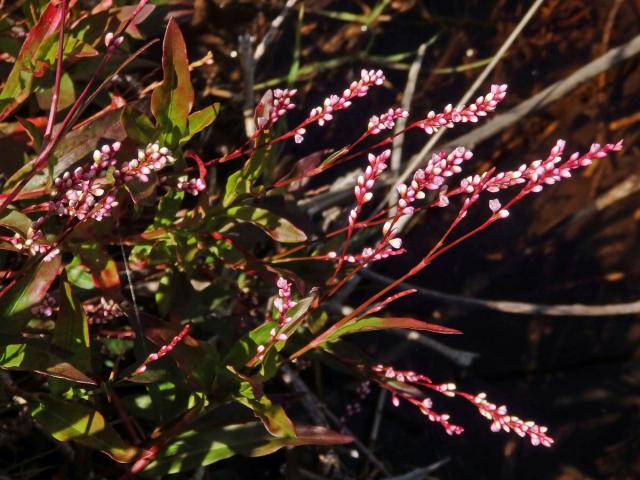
<point>377,165</point>
<point>164,350</point>
<point>471,113</point>
<point>333,103</point>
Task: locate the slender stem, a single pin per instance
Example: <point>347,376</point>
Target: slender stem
<point>434,253</point>
<point>58,79</point>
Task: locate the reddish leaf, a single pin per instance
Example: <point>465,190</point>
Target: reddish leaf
<point>27,292</point>
<point>172,100</point>
<point>104,270</point>
<point>36,357</point>
<point>301,167</point>
<point>383,323</point>
<point>316,435</point>
<point>18,85</point>
<point>276,227</point>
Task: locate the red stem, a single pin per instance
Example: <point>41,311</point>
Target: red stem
<point>56,87</point>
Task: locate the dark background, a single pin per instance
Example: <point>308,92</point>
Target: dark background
<point>579,375</point>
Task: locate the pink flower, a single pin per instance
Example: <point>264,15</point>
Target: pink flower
<point>386,121</point>
<point>471,113</point>
<point>333,103</point>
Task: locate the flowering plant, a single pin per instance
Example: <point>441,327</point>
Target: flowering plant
<point>150,313</point>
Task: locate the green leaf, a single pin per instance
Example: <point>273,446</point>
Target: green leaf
<point>34,357</point>
<point>72,329</point>
<point>384,323</point>
<point>200,120</point>
<point>44,94</point>
<point>172,100</point>
<point>240,183</point>
<point>33,131</point>
<point>104,271</point>
<point>276,227</point>
<point>72,421</point>
<point>138,126</point>
<point>202,447</point>
<point>168,208</point>
<point>245,348</point>
<point>15,221</point>
<point>79,274</point>
<point>26,293</point>
<point>273,417</point>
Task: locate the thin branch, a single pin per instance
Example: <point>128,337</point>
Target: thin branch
<point>550,94</point>
<point>407,97</point>
<point>248,69</point>
<point>502,121</point>
<point>420,473</point>
<point>316,409</point>
<point>417,159</point>
<point>273,29</point>
<point>520,308</point>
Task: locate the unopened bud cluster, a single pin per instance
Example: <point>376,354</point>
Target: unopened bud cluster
<point>46,308</point>
<point>386,121</point>
<point>77,193</point>
<point>102,312</point>
<point>191,185</point>
<point>82,193</point>
<point>431,177</point>
<point>283,303</point>
<point>281,103</point>
<point>164,350</point>
<point>151,159</point>
<point>463,114</point>
<point>501,420</point>
<point>333,103</point>
<point>362,190</point>
<point>33,243</point>
<point>112,42</point>
<point>355,406</point>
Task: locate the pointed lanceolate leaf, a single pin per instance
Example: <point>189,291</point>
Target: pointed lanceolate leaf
<point>196,448</point>
<point>72,329</point>
<point>19,83</point>
<point>66,421</point>
<point>276,227</point>
<point>172,100</point>
<point>384,323</point>
<point>35,357</point>
<point>272,416</point>
<point>200,120</point>
<point>15,221</point>
<point>26,293</point>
